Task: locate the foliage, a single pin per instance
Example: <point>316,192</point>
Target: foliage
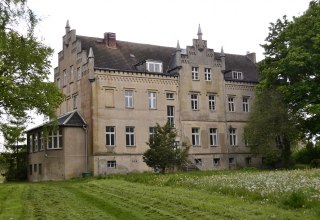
<point>116,198</point>
<point>271,130</point>
<point>292,66</point>
<point>14,164</point>
<point>315,163</point>
<point>24,65</point>
<point>163,152</point>
<point>308,153</point>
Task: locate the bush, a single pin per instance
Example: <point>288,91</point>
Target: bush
<point>307,154</point>
<point>295,200</point>
<point>315,163</point>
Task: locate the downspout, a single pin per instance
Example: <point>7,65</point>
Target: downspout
<point>86,147</point>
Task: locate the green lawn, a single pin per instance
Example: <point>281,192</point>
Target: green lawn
<point>141,196</point>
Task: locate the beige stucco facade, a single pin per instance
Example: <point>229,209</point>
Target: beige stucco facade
<point>121,105</point>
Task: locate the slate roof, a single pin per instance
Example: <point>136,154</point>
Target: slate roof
<point>128,55</point>
<point>70,119</point>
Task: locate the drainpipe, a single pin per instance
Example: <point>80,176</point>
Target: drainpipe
<point>86,147</point>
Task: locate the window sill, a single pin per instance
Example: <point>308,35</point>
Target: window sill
<point>131,146</point>
<point>196,145</point>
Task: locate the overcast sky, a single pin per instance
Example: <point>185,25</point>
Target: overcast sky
<point>237,25</point>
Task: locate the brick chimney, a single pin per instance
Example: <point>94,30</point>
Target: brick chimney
<point>110,40</point>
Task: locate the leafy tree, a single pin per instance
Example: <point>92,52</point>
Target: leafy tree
<point>24,65</point>
<point>164,152</point>
<point>292,66</point>
<point>271,131</point>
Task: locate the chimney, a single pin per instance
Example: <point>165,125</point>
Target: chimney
<point>251,56</point>
<point>110,40</point>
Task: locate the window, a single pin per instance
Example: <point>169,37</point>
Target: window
<point>152,100</point>
<point>112,164</point>
<point>30,169</point>
<point>128,98</point>
<point>71,73</point>
<point>130,136</point>
<point>65,77</point>
<point>212,102</point>
<point>170,115</point>
<point>110,136</point>
<point>231,104</point>
<point>231,160</point>
<point>35,142</point>
<point>55,139</point>
<point>30,143</point>
<point>75,101</point>
<point>216,162</point>
<point>245,104</point>
<point>213,137</point>
<point>194,102</point>
<point>40,169</point>
<point>155,67</point>
<point>232,137</point>
<point>207,74</point>
<point>35,168</point>
<point>198,161</point>
<point>195,136</point>
<point>195,73</point>
<point>41,140</point>
<point>169,95</point>
<point>237,75</point>
<point>248,161</point>
<point>58,83</point>
<point>78,73</point>
<point>152,131</point>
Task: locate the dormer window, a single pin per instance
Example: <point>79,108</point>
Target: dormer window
<point>237,75</point>
<point>154,66</point>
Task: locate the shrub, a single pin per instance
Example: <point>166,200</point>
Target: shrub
<point>315,163</point>
<point>295,199</point>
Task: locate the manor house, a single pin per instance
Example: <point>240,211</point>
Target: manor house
<point>117,91</point>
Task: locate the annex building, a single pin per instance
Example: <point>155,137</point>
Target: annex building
<point>115,93</point>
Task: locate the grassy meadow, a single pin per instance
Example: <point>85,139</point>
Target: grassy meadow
<point>198,195</point>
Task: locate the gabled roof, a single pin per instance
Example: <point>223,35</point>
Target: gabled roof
<point>127,55</point>
<point>70,119</point>
<point>73,119</point>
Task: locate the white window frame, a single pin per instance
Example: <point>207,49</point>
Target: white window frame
<point>31,143</point>
<point>195,73</point>
<point>231,100</point>
<point>152,131</point>
<point>245,104</point>
<point>128,94</point>
<point>170,115</point>
<point>169,95</point>
<point>58,83</point>
<point>112,164</point>
<point>41,141</point>
<point>212,102</point>
<point>213,137</point>
<point>55,137</point>
<point>207,74</point>
<point>110,136</point>
<point>35,142</point>
<point>233,137</point>
<point>195,136</point>
<point>153,66</point>
<point>237,75</point>
<point>194,102</point>
<point>130,136</point>
<point>152,97</point>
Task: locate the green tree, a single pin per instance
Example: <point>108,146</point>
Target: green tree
<point>164,152</point>
<point>292,66</point>
<point>24,65</point>
<point>271,130</point>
